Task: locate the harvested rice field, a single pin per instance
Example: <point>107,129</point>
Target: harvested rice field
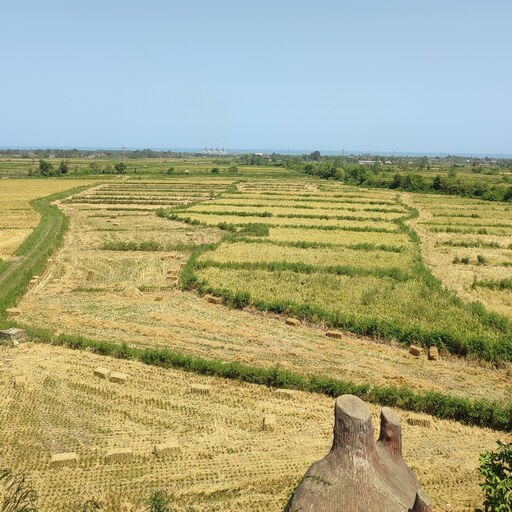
<point>468,245</point>
<point>99,287</point>
<point>18,218</point>
<point>378,286</point>
<point>133,269</point>
<point>213,453</point>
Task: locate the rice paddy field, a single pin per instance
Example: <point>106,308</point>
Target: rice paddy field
<point>359,268</point>
<point>134,267</point>
<point>468,244</point>
<point>218,457</point>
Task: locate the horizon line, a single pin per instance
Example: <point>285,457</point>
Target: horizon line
<point>267,151</point>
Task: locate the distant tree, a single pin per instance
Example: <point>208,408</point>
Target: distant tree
<point>45,168</point>
<point>396,182</point>
<point>215,170</point>
<point>423,163</point>
<point>233,169</point>
<point>120,168</point>
<point>437,183</point>
<point>315,156</point>
<point>94,167</point>
<point>63,167</point>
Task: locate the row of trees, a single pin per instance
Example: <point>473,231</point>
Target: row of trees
<point>47,168</point>
<point>443,184</point>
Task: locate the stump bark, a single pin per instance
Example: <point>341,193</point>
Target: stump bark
<point>359,475</point>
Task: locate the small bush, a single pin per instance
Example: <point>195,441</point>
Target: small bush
<point>481,260</point>
<point>159,502</point>
<point>496,468</point>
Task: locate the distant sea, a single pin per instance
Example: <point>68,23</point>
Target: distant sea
<point>269,151</point>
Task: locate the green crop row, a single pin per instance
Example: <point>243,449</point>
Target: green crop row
<point>146,245</point>
<point>189,220</point>
<point>363,246</point>
<point>494,284</point>
<point>291,215</point>
<point>304,268</point>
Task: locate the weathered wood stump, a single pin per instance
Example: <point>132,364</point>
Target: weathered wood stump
<point>359,475</point>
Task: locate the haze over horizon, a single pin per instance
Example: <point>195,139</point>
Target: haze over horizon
<point>422,77</point>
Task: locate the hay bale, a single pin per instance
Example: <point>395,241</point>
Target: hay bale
<point>19,381</point>
<point>103,373</point>
<point>168,448</point>
<point>90,275</point>
<point>433,353</point>
<point>334,334</point>
<point>118,377</point>
<point>269,422</point>
<point>415,351</point>
<point>286,394</point>
<point>119,455</point>
<point>418,421</point>
<point>13,312</point>
<point>200,389</point>
<point>292,321</point>
<point>33,280</point>
<point>212,299</point>
<point>64,459</point>
<point>159,298</point>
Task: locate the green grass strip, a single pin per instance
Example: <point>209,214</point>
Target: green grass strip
<point>196,222</point>
<point>482,413</point>
<point>147,246</point>
<point>240,213</point>
<point>363,246</point>
<point>498,284</point>
<point>305,268</point>
<point>34,252</point>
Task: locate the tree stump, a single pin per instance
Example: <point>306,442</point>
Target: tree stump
<point>359,475</point>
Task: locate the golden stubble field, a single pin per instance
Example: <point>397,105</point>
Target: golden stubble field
<point>18,218</point>
<point>132,297</point>
<point>225,461</point>
<point>474,229</point>
<point>222,459</point>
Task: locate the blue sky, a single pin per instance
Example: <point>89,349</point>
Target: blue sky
<point>380,75</point>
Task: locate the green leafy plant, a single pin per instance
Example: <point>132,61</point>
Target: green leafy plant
<point>496,468</point>
<point>90,506</point>
<point>481,260</point>
<point>159,501</point>
<point>19,496</point>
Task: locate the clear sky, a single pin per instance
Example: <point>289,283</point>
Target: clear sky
<point>380,75</point>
